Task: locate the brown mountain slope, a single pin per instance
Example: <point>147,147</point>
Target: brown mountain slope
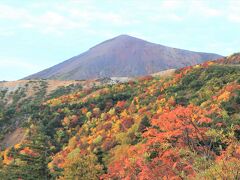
<point>123,56</point>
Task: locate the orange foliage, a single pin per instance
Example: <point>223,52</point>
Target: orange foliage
<point>179,126</point>
<point>28,151</point>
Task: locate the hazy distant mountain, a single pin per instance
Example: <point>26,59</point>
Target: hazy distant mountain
<point>123,56</point>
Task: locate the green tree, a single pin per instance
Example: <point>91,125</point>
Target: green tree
<point>144,124</point>
<point>82,167</point>
<point>30,161</point>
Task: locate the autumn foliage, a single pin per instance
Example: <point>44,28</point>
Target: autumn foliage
<point>181,127</point>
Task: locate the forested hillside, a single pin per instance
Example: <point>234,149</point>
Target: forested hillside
<point>186,126</point>
<point>18,99</point>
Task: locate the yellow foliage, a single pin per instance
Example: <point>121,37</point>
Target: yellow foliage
<point>160,110</point>
<point>224,96</point>
<point>6,159</point>
<point>222,170</point>
<point>124,113</point>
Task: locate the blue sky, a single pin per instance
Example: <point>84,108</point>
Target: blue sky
<point>38,34</point>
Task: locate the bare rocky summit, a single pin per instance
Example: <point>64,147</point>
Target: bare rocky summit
<point>123,56</point>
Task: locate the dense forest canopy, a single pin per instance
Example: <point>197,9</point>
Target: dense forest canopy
<point>186,126</point>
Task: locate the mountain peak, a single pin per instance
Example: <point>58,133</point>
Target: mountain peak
<point>125,37</point>
<point>123,56</point>
<point>119,42</point>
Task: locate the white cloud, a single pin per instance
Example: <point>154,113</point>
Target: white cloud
<point>234,11</point>
<point>83,15</point>
<point>92,14</point>
<point>11,13</point>
<point>207,11</point>
<point>46,21</point>
<point>52,22</point>
<point>59,18</point>
<point>171,4</point>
